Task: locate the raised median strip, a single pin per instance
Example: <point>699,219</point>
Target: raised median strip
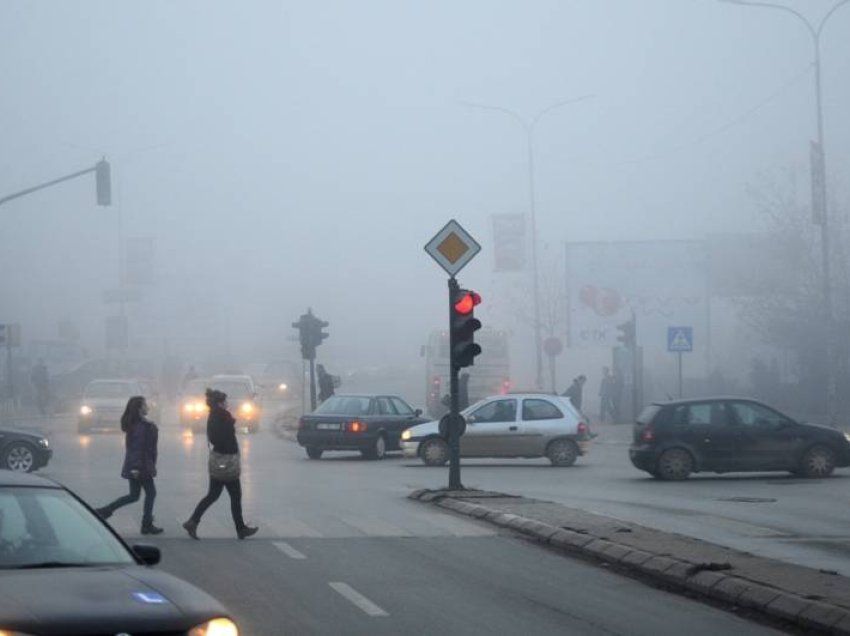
<point>817,601</point>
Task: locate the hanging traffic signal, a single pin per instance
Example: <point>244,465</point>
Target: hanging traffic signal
<point>464,324</point>
<point>628,337</point>
<point>103,182</point>
<point>316,333</point>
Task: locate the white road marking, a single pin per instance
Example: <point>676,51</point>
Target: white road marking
<point>288,550</point>
<point>358,599</point>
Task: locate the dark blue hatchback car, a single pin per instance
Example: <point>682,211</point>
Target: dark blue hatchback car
<point>728,434</point>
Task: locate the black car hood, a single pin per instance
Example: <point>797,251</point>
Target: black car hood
<point>16,432</point>
<point>90,600</point>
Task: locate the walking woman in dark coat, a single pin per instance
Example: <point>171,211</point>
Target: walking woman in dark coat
<point>221,435</point>
<point>140,441</point>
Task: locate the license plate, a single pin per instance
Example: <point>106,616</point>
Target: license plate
<point>327,426</point>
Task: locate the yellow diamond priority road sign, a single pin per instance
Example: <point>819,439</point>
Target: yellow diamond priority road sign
<point>452,247</point>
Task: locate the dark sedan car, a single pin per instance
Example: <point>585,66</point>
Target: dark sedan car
<point>64,571</point>
<point>674,439</point>
<point>371,424</point>
<point>22,451</point>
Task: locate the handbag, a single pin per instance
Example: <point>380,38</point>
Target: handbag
<point>224,466</point>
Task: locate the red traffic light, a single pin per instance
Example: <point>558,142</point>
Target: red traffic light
<point>466,303</point>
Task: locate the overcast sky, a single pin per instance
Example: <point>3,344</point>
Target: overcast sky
<point>286,154</point>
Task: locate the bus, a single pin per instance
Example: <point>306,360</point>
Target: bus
<point>490,375</point>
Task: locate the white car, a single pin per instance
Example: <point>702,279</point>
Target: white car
<point>511,425</point>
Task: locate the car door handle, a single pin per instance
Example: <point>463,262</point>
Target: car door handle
<point>512,428</point>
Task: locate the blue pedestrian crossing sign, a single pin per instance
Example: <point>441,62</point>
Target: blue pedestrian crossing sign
<point>680,339</point>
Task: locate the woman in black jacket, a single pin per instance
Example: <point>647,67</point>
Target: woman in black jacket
<point>221,435</point>
<point>140,451</point>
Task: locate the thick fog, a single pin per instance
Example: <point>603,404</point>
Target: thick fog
<point>291,154</point>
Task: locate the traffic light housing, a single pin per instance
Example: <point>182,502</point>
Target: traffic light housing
<point>310,334</point>
<point>464,324</point>
<point>628,337</point>
<point>103,182</point>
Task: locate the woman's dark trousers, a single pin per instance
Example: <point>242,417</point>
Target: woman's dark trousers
<point>234,489</point>
<point>136,487</point>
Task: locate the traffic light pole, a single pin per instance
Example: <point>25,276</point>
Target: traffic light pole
<point>454,408</point>
<point>312,384</point>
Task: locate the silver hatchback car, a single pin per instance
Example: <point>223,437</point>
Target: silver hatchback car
<point>512,425</point>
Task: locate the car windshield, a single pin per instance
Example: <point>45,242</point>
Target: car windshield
<point>344,405</point>
<point>47,527</point>
<point>233,389</point>
<point>196,387</point>
<point>112,389</point>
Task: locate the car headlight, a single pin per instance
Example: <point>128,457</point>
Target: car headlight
<point>85,410</point>
<point>247,408</point>
<point>215,627</point>
<point>281,387</point>
<point>43,442</point>
<point>406,435</point>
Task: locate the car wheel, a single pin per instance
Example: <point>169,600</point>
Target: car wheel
<point>562,452</point>
<point>675,464</point>
<point>434,452</point>
<point>818,461</point>
<point>378,450</point>
<point>19,457</point>
<point>314,453</point>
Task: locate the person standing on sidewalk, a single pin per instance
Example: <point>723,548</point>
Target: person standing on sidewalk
<point>606,396</point>
<point>140,453</point>
<point>575,391</point>
<point>224,467</point>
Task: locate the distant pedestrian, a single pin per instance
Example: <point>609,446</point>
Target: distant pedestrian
<point>326,383</point>
<point>41,385</point>
<point>140,444</point>
<point>606,396</point>
<point>575,391</point>
<point>191,374</point>
<point>224,467</point>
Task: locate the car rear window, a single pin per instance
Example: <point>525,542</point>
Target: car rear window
<point>648,414</point>
<point>344,405</point>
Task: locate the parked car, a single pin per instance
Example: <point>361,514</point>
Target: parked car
<point>371,424</point>
<point>242,399</point>
<point>65,571</point>
<point>104,402</point>
<point>22,451</point>
<point>193,405</point>
<point>671,440</point>
<point>511,425</point>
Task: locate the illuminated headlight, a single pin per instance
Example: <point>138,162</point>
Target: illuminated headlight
<point>43,442</point>
<point>247,408</point>
<point>847,436</point>
<point>85,410</point>
<point>281,387</point>
<point>215,627</point>
<point>406,435</point>
<point>189,407</point>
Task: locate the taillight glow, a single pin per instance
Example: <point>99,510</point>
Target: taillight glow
<point>647,435</point>
<point>582,428</point>
<point>355,427</point>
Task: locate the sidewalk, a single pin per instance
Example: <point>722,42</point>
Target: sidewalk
<point>814,600</point>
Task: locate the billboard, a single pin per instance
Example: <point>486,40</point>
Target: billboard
<point>665,283</point>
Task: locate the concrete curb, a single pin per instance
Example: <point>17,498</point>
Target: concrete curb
<point>811,615</point>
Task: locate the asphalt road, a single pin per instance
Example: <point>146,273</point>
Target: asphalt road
<point>341,550</point>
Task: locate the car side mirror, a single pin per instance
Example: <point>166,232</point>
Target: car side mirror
<point>149,554</point>
<point>470,419</point>
<point>417,412</point>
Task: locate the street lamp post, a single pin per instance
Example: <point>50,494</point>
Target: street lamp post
<point>528,127</point>
<point>815,31</point>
